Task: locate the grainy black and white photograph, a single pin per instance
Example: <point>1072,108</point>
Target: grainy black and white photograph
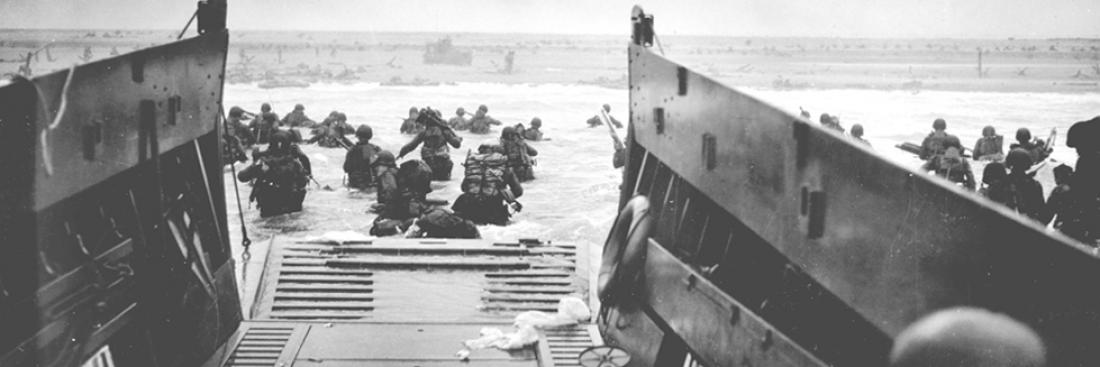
<point>337,183</point>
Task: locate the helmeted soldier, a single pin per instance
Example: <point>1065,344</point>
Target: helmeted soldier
<point>435,137</point>
<point>489,188</point>
<point>481,121</point>
<point>281,174</point>
<point>410,125</point>
<point>360,158</point>
<point>519,154</point>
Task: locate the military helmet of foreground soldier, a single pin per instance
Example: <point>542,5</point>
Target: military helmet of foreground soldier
<point>1023,135</point>
<point>364,132</point>
<point>1018,159</point>
<point>939,125</point>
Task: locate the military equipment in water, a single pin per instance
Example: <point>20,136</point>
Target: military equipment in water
<point>444,52</point>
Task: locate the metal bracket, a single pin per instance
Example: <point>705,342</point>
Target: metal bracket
<point>813,205</point>
<point>659,119</point>
<point>92,135</point>
<point>175,104</point>
<point>710,148</point>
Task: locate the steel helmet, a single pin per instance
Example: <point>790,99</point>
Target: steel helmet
<point>965,336</point>
<point>1018,158</point>
<point>1023,134</point>
<point>939,124</point>
<point>364,132</point>
<point>1084,135</point>
<point>993,172</point>
<point>384,158</point>
<point>280,139</point>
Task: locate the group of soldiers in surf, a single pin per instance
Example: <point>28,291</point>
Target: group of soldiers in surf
<point>1072,206</point>
<point>490,188</point>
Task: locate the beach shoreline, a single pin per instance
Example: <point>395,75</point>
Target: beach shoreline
<point>288,58</point>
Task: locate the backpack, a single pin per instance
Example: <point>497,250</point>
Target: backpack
<point>439,223</point>
<point>285,171</point>
<point>485,174</point>
<point>414,176</point>
<point>516,150</point>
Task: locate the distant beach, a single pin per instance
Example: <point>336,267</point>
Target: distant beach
<point>290,58</point>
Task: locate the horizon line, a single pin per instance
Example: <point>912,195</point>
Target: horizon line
<point>1008,38</point>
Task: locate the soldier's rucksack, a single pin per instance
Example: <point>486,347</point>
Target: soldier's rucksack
<point>516,150</point>
<point>285,171</point>
<point>485,174</point>
<point>414,176</point>
<point>439,223</point>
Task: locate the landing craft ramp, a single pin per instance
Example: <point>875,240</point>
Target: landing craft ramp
<point>783,243</point>
<point>405,302</point>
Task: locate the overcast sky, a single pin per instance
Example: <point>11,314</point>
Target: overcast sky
<point>778,18</point>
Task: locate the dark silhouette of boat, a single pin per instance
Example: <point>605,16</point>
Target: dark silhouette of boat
<point>444,52</point>
<point>112,215</point>
<point>774,241</point>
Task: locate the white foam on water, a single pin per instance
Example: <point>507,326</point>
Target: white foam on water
<point>575,195</point>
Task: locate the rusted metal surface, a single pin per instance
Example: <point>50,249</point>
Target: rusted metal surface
<point>807,217</point>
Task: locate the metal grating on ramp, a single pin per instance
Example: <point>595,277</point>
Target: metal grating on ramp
<point>261,346</point>
<point>307,288</point>
<point>560,347</point>
<point>537,289</point>
<point>322,281</point>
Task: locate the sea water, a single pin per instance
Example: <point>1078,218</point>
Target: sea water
<point>575,195</point>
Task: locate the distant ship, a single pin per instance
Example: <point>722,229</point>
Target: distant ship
<point>747,236</point>
<point>444,52</point>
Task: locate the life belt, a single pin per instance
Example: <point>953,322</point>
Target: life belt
<point>624,251</point>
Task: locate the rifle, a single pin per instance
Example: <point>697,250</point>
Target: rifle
<point>1048,146</point>
<point>619,159</point>
<point>428,115</point>
<point>342,144</point>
